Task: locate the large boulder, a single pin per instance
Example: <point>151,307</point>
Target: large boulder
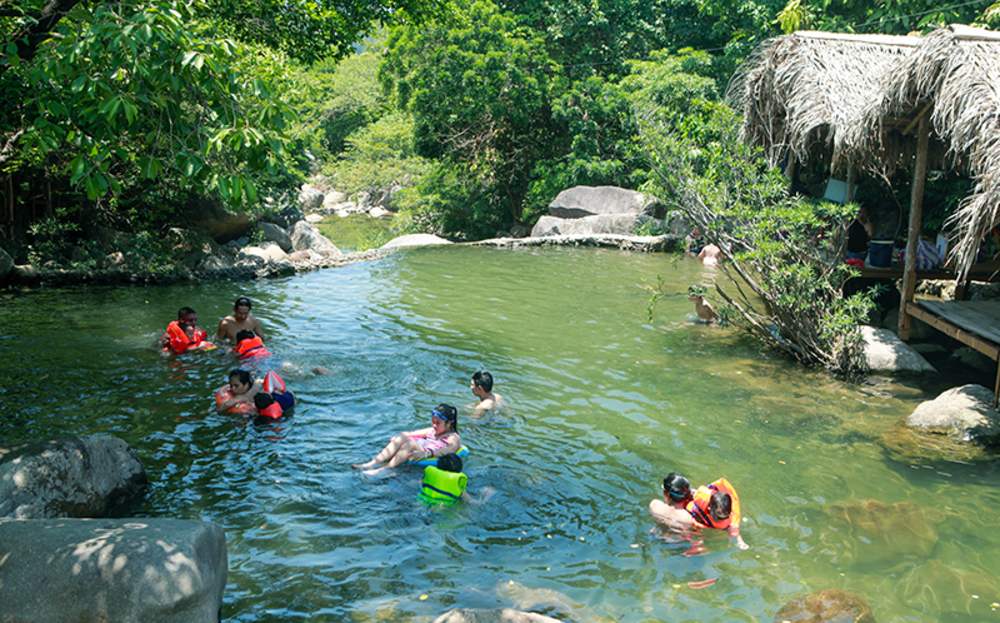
<point>218,222</point>
<point>269,252</point>
<point>415,240</point>
<point>121,570</point>
<point>6,264</point>
<point>310,198</point>
<point>306,236</point>
<point>505,615</point>
<point>887,353</point>
<point>314,218</point>
<point>277,235</point>
<point>72,477</point>
<point>966,412</point>
<point>622,224</point>
<point>829,606</point>
<point>582,201</point>
<point>332,201</point>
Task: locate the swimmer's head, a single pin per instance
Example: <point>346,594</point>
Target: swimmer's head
<point>447,415</point>
<point>267,406</point>
<point>244,335</point>
<point>450,463</point>
<point>720,506</point>
<point>676,488</point>
<point>188,315</point>
<point>696,291</point>
<point>483,381</point>
<point>240,381</point>
<point>241,308</point>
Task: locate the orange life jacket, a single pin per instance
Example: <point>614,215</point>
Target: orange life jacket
<point>179,340</point>
<point>252,347</point>
<point>272,411</point>
<point>699,505</point>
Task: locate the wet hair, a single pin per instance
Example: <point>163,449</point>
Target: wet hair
<point>245,334</point>
<point>450,463</point>
<point>483,379</point>
<point>720,505</point>
<point>185,311</point>
<point>677,487</point>
<point>242,302</point>
<point>447,413</point>
<point>243,375</point>
<point>263,400</point>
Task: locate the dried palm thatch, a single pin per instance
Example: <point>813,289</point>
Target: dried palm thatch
<point>807,88</point>
<point>955,76</point>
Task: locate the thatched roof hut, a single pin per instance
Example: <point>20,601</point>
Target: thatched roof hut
<point>954,77</point>
<point>807,88</point>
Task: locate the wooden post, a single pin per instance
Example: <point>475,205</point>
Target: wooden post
<point>851,182</point>
<point>790,170</point>
<point>913,231</point>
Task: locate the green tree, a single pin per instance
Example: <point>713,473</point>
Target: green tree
<point>478,86</point>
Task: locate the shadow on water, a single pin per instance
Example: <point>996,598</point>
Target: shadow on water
<point>603,404</point>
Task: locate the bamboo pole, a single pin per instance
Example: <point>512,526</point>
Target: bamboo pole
<point>851,182</point>
<point>913,231</point>
<point>790,169</point>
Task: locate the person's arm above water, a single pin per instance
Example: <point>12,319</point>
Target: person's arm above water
<point>670,516</point>
<point>220,333</point>
<point>734,532</point>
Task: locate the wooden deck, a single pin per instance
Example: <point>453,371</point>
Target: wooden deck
<point>980,272</point>
<point>973,323</point>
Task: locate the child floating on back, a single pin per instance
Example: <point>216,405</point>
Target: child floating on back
<point>440,439</point>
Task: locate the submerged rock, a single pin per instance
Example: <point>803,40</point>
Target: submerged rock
<point>584,201</point>
<point>874,533</point>
<point>415,240</point>
<point>887,353</point>
<point>829,606</point>
<point>505,615</point>
<point>73,477</point>
<point>933,586</point>
<point>965,412</point>
<point>121,570</point>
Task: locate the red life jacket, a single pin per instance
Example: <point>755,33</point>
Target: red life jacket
<point>272,411</point>
<point>252,347</point>
<point>179,340</point>
<point>224,394</point>
<point>698,507</point>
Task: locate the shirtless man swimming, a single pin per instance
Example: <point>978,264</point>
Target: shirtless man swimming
<point>241,320</point>
<point>482,388</point>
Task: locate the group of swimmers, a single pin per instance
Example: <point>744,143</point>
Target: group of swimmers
<point>267,397</point>
<point>438,447</point>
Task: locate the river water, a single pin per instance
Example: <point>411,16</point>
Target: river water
<point>603,404</point>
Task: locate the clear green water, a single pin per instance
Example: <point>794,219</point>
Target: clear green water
<point>604,405</point>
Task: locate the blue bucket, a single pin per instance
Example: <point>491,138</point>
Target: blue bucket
<point>880,253</point>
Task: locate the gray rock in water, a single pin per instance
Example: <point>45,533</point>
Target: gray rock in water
<point>920,331</point>
<point>415,240</point>
<point>829,606</point>
<point>581,201</point>
<point>6,264</point>
<point>887,353</point>
<point>975,359</point>
<point>966,412</point>
<point>73,477</point>
<point>314,218</point>
<point>24,273</point>
<point>121,570</point>
<point>306,236</point>
<point>504,615</point>
<point>310,198</point>
<point>277,235</point>
<point>622,224</point>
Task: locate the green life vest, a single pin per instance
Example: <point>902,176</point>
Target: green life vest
<point>441,487</point>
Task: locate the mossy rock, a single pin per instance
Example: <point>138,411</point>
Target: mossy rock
<point>937,587</point>
<point>828,606</point>
<point>908,445</point>
<point>872,533</point>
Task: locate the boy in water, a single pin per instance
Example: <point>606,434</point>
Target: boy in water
<point>482,388</point>
<point>241,320</point>
<point>446,484</point>
<point>250,346</point>
<point>703,309</point>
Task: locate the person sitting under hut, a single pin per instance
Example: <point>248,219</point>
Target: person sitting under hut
<point>859,233</point>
